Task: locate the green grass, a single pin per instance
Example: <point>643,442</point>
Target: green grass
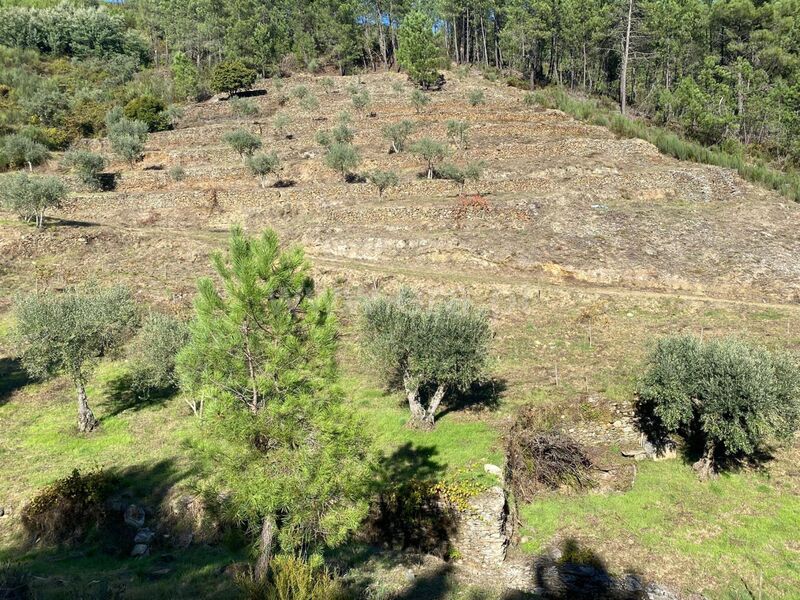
<point>742,527</point>
<point>670,143</point>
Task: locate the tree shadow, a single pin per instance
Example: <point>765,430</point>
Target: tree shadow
<point>578,573</point>
<point>482,395</point>
<point>121,395</point>
<point>13,377</point>
<point>72,223</point>
<point>408,513</point>
<point>438,584</point>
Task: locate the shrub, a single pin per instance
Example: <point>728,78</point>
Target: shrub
<point>31,195</point>
<point>398,134</point>
<point>726,398</point>
<point>232,76</point>
<point>382,180</point>
<point>309,103</point>
<point>457,132</point>
<point>292,578</point>
<point>476,97</point>
<point>242,141</point>
<point>127,137</point>
<point>242,107</point>
<point>438,348</point>
<point>19,151</point>
<point>177,173</point>
<point>419,100</point>
<point>150,110</point>
<point>300,92</point>
<point>65,511</point>
<point>281,124</point>
<point>152,353</point>
<point>342,134</point>
<point>327,84</point>
<point>263,165</point>
<point>361,101</point>
<point>87,166</point>
<point>529,99</point>
<point>431,152</point>
<point>342,157</point>
<point>539,459</point>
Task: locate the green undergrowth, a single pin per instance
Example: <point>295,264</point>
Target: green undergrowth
<point>711,537</point>
<point>669,142</point>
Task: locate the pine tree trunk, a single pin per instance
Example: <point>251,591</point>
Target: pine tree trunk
<point>265,548</point>
<point>623,76</point>
<point>86,419</point>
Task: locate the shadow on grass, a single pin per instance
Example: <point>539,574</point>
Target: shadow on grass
<point>120,396</point>
<point>12,378</point>
<point>482,395</point>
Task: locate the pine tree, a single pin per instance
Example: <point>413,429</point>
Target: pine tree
<point>418,50</point>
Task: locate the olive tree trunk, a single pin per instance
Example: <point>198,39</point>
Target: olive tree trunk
<point>705,467</point>
<point>86,420</point>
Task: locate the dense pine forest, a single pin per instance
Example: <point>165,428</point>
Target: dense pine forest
<point>726,73</point>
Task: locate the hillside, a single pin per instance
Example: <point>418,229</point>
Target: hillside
<point>583,247</point>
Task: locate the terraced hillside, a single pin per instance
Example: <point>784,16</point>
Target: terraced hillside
<point>583,246</point>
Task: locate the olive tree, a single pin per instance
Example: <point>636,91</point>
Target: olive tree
<point>278,440</point>
<point>457,133</point>
<point>69,332</point>
<point>242,141</point>
<point>431,152</point>
<point>20,150</point>
<point>441,347</point>
<point>262,165</point>
<point>128,138</point>
<point>398,133</point>
<point>383,180</point>
<point>31,195</point>
<point>476,97</point>
<point>342,157</point>
<point>281,124</point>
<point>87,166</point>
<point>361,101</point>
<point>153,351</point>
<point>728,397</point>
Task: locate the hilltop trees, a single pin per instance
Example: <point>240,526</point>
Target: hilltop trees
<point>67,333</point>
<point>728,398</point>
<point>438,348</point>
<point>31,195</point>
<point>418,51</point>
<point>286,451</point>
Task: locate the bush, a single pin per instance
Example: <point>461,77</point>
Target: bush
<point>19,151</point>
<point>177,173</point>
<point>419,100</point>
<point>729,400</point>
<point>87,166</point>
<point>152,353</point>
<point>539,459</point>
<point>529,99</point>
<point>263,165</point>
<point>382,180</point>
<point>327,84</point>
<point>232,76</point>
<point>292,578</point>
<point>361,101</point>
<point>300,92</point>
<point>31,195</point>
<point>65,511</point>
<point>281,124</point>
<point>242,107</point>
<point>476,97</point>
<point>127,137</point>
<point>342,157</point>
<point>150,110</point>
<point>309,103</point>
<point>438,348</point>
<point>242,141</point>
<point>398,134</point>
<point>431,152</point>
